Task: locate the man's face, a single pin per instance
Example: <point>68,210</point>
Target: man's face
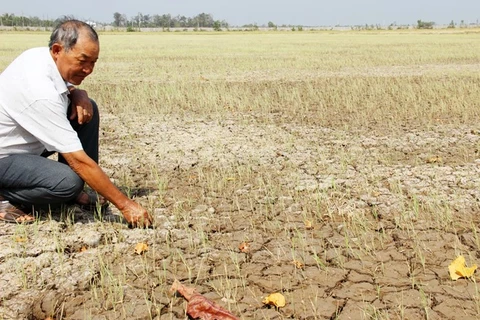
<point>76,64</point>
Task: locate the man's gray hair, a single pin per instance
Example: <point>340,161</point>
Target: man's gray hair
<point>66,33</point>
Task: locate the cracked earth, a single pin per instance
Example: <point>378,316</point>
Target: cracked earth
<point>345,224</point>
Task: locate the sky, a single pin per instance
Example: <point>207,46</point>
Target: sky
<point>240,12</point>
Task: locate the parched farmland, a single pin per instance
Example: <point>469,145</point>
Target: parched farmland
<point>340,169</point>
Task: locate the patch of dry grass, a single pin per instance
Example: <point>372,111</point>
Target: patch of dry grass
<point>350,79</point>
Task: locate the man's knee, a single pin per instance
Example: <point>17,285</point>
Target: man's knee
<point>69,187</point>
<point>56,183</point>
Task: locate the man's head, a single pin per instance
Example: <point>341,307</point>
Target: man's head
<point>74,47</point>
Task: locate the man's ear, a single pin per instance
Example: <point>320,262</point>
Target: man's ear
<point>56,48</point>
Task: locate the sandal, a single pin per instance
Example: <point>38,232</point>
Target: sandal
<point>12,214</point>
<point>93,201</point>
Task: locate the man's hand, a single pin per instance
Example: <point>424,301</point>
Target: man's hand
<point>94,176</point>
<point>82,108</point>
<point>136,215</point>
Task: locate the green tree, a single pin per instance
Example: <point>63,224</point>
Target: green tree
<point>136,20</point>
<point>203,20</point>
<point>217,26</point>
<point>165,21</point>
<point>7,19</point>
<point>425,24</point>
<point>146,20</point>
<point>181,21</point>
<point>117,19</point>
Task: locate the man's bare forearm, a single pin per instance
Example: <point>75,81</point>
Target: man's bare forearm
<point>95,177</point>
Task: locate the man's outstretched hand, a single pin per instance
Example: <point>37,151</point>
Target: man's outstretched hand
<point>136,215</point>
<point>96,178</point>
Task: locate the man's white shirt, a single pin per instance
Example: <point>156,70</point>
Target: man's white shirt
<point>33,107</point>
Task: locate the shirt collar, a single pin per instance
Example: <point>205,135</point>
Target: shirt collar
<point>58,82</point>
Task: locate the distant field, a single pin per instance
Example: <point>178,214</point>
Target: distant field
<point>353,78</point>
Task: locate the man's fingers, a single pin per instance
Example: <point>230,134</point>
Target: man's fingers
<point>73,113</point>
<point>84,116</point>
<point>81,106</point>
<point>81,116</point>
<point>142,222</point>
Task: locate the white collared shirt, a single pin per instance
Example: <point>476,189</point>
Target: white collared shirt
<point>33,107</point>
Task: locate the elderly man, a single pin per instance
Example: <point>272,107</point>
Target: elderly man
<point>41,112</point>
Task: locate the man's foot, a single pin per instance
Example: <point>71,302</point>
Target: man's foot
<point>12,214</point>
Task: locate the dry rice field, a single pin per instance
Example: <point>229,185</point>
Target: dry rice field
<point>340,169</point>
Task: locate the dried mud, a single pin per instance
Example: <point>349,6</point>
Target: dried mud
<point>346,224</point>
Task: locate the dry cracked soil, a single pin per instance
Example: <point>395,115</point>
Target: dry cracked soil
<point>346,224</point>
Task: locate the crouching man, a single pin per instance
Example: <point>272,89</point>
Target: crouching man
<point>41,112</point>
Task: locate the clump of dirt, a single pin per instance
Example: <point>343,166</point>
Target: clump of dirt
<point>345,224</point>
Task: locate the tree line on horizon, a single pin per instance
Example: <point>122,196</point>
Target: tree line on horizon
<point>202,20</point>
<point>167,21</point>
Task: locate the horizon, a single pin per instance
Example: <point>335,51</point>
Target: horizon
<point>249,12</point>
<point>265,24</point>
